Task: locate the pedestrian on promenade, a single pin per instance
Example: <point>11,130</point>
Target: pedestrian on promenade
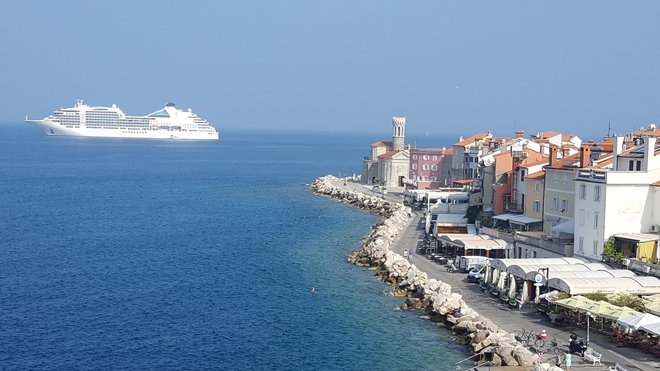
<point>568,361</point>
<point>410,254</point>
<point>405,253</point>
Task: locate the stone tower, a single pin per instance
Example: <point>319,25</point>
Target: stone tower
<point>398,133</point>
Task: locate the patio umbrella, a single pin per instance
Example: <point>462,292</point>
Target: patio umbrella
<point>652,329</point>
<point>653,306</point>
<point>637,321</point>
<point>619,312</point>
<point>599,308</point>
<point>577,302</point>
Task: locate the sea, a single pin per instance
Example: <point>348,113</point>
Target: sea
<point>138,254</point>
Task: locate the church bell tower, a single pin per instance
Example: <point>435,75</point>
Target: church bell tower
<point>398,133</point>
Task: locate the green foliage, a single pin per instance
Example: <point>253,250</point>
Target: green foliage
<point>562,295</point>
<point>609,250</point>
<point>596,296</point>
<point>472,213</point>
<point>630,301</point>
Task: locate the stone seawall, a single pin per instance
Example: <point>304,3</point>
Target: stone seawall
<point>428,294</point>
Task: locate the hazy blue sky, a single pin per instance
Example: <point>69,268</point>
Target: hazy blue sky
<point>454,67</point>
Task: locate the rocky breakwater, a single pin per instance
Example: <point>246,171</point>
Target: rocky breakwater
<point>431,295</point>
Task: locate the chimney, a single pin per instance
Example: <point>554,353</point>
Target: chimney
<point>617,148</point>
<point>649,153</point>
<point>553,155</point>
<point>585,155</point>
<point>520,134</point>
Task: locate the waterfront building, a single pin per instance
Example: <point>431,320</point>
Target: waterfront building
<point>426,170</point>
<point>464,160</point>
<point>622,199</point>
<point>389,162</point>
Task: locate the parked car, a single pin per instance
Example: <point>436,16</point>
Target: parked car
<point>476,273</point>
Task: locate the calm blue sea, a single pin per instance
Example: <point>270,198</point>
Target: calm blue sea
<point>132,254</point>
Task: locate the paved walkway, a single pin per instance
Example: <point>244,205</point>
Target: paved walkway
<point>513,320</point>
<point>509,319</point>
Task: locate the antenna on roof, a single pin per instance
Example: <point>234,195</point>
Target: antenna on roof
<point>609,126</point>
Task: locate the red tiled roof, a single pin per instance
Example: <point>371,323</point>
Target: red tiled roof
<point>471,140</point>
<point>464,181</point>
<point>537,162</point>
<point>382,144</point>
<point>536,175</point>
<point>428,150</point>
<point>389,154</point>
<point>548,134</point>
<point>656,184</point>
<point>449,151</point>
<point>567,137</point>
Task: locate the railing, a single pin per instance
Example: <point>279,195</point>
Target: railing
<point>555,247</point>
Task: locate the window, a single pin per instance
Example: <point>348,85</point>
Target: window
<point>425,157</point>
<point>434,178</point>
<point>583,192</point>
<point>631,165</point>
<point>555,203</point>
<point>564,206</point>
<point>537,206</point>
<point>595,248</point>
<point>434,167</point>
<point>581,245</point>
<point>434,158</point>
<point>596,219</point>
<point>414,157</point>
<point>537,187</point>
<point>534,254</point>
<point>581,217</point>
<point>414,166</point>
<point>638,166</point>
<point>425,166</point>
<point>597,193</point>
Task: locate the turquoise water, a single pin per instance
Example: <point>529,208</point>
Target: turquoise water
<point>132,254</point>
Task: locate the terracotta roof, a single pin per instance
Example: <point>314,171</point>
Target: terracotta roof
<point>471,140</point>
<point>449,151</point>
<point>537,162</point>
<point>602,164</point>
<point>548,134</point>
<point>389,154</point>
<point>382,144</point>
<point>428,150</point>
<point>567,137</point>
<point>657,184</point>
<point>464,181</point>
<point>536,175</point>
<point>650,132</point>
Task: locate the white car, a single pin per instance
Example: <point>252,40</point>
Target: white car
<point>475,274</point>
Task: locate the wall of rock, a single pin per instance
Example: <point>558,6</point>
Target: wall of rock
<point>428,294</point>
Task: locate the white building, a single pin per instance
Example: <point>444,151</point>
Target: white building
<point>389,162</point>
<point>624,199</point>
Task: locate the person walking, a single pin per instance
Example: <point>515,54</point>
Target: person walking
<point>568,361</point>
<point>405,254</point>
<point>410,254</point>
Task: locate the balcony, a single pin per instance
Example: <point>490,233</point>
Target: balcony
<point>514,207</point>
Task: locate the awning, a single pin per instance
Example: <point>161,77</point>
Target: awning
<point>588,270</point>
<point>652,329</point>
<point>637,321</point>
<point>567,227</point>
<point>524,220</point>
<point>503,264</point>
<point>630,285</point>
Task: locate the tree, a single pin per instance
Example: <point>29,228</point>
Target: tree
<point>472,213</point>
<point>610,250</point>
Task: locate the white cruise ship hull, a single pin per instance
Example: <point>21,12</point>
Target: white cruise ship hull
<point>54,128</point>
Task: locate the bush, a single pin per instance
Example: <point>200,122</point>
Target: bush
<point>597,296</point>
<point>630,301</point>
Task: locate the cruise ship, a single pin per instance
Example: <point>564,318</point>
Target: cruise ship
<point>83,120</point>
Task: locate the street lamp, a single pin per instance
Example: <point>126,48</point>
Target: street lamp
<point>547,278</point>
<point>588,316</point>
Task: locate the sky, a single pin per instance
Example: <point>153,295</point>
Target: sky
<point>450,67</point>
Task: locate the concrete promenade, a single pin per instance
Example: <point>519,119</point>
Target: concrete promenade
<point>509,319</point>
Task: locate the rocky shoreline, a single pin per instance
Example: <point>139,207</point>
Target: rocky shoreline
<point>430,295</point>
